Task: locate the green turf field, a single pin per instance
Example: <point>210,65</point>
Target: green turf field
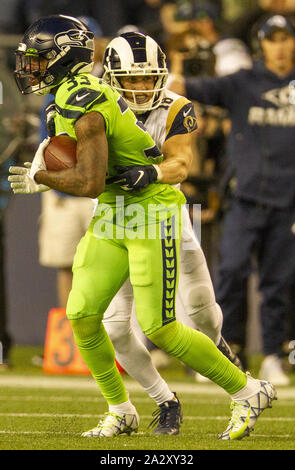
<point>39,411</point>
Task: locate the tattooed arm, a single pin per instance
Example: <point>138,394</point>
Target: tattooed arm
<point>87,178</point>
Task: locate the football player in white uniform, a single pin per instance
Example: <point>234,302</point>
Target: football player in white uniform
<point>135,72</point>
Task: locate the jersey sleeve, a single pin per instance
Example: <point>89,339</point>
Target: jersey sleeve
<point>73,101</point>
<point>181,118</point>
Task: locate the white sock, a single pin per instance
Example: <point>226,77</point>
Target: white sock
<point>252,387</point>
<point>160,391</point>
<point>123,408</point>
<point>134,357</point>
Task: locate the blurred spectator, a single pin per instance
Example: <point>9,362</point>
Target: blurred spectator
<point>242,27</point>
<point>11,118</point>
<point>261,209</point>
<point>202,49</point>
<point>202,33</point>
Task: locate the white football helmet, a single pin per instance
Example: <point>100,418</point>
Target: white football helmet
<point>134,54</point>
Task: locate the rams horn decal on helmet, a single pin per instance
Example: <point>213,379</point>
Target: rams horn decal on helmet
<point>135,54</point>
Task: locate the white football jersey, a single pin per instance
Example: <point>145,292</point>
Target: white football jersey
<point>175,115</point>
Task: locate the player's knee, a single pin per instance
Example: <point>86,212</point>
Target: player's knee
<point>171,338</point>
<point>85,328</point>
<point>209,321</point>
<point>83,301</point>
<point>76,303</point>
<point>120,335</point>
<point>198,298</point>
<point>191,260</point>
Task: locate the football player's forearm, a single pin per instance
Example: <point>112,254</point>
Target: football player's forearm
<point>177,151</point>
<point>87,178</point>
<point>174,171</point>
<point>69,181</point>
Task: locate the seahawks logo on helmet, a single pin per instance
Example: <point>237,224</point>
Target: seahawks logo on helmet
<point>73,38</point>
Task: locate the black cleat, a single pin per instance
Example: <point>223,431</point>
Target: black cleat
<point>226,350</point>
<point>168,418</point>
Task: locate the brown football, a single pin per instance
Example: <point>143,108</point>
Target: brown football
<point>60,153</point>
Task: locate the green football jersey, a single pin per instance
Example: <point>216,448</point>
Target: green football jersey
<point>129,143</point>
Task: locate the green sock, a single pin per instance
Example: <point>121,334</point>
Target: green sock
<point>98,353</point>
<point>199,352</point>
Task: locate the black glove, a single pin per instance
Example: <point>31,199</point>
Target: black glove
<point>134,177</point>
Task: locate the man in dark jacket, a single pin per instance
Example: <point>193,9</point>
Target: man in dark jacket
<point>261,211</point>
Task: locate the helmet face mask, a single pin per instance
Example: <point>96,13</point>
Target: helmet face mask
<point>136,55</point>
<point>31,73</point>
<point>53,49</point>
<point>155,94</point>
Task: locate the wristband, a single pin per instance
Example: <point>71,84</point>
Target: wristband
<point>159,173</point>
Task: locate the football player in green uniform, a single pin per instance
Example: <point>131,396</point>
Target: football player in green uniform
<point>135,230</point>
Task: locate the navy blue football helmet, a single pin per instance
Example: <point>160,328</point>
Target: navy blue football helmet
<point>53,49</point>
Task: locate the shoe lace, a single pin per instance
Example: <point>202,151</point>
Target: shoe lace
<point>164,416</point>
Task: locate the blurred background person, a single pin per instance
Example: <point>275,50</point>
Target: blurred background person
<point>202,48</point>
<point>203,29</point>
<point>242,27</point>
<point>261,211</point>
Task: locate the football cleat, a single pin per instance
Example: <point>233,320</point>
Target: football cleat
<point>113,424</point>
<point>245,412</point>
<point>168,418</point>
<point>226,350</point>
